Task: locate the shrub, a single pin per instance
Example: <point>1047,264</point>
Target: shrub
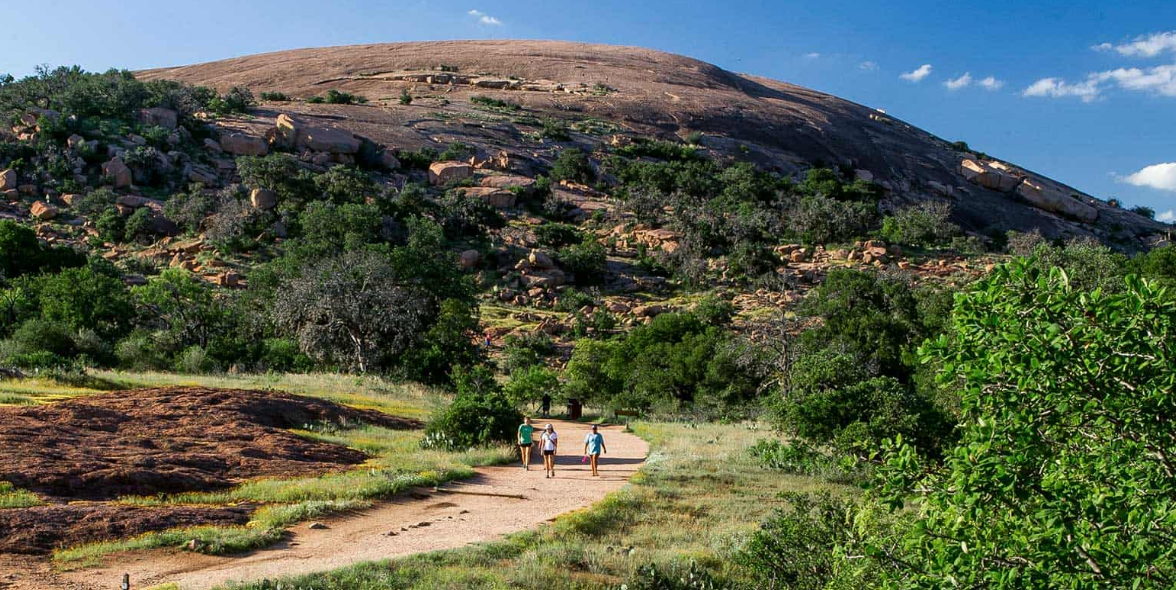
<point>925,224</point>
<point>334,96</point>
<point>236,100</point>
<point>21,253</point>
<point>463,215</point>
<point>495,104</point>
<point>674,362</point>
<point>558,235</point>
<point>473,419</point>
<point>274,96</point>
<point>808,546</point>
<point>1147,212</point>
<point>572,164</point>
<point>820,219</point>
<point>713,310</point>
<point>525,351</point>
<point>530,384</point>
<point>405,97</point>
<point>189,209</point>
<point>41,336</point>
<point>586,261</point>
<point>195,361</point>
<point>555,130</point>
<point>675,577</point>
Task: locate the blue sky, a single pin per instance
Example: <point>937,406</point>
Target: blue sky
<point>1080,90</point>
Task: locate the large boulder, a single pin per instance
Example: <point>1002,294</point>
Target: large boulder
<point>508,181</point>
<point>498,198</point>
<point>118,172</point>
<point>470,259</point>
<point>1048,197</point>
<point>239,144</point>
<point>388,160</point>
<point>166,118</point>
<point>287,132</point>
<point>43,211</point>
<point>8,180</point>
<point>330,140</point>
<point>443,173</point>
<point>263,199</point>
<point>540,260</point>
<point>989,175</point>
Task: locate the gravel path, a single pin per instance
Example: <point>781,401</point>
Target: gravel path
<point>497,501</point>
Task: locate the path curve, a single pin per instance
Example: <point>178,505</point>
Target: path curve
<point>495,502</point>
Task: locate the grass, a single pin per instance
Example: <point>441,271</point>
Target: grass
<point>11,497</point>
<point>698,497</point>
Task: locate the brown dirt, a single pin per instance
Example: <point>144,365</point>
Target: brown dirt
<point>153,441</point>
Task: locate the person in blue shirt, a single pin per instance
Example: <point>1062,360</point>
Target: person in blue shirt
<point>593,447</point>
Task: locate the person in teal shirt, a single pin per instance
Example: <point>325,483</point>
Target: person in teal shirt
<point>526,432</point>
<point>593,447</point>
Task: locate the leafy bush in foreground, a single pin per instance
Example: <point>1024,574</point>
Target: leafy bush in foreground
<point>1064,474</point>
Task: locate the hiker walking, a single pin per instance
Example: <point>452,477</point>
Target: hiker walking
<point>526,441</point>
<point>550,441</point>
<point>593,447</point>
<point>546,404</point>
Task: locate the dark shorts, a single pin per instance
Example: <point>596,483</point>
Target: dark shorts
<point>526,445</point>
<point>548,452</point>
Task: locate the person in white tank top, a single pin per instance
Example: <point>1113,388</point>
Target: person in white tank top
<point>550,444</point>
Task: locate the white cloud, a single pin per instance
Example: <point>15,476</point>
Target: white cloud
<point>917,74</point>
<point>1168,216</point>
<point>1143,45</point>
<point>868,66</point>
<point>812,55</point>
<point>1058,88</point>
<point>484,18</point>
<point>991,83</point>
<point>961,82</point>
<point>1157,176</point>
<point>1158,80</point>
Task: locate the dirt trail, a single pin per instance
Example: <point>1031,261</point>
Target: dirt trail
<point>499,500</point>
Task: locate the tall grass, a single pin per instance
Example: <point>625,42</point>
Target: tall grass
<point>11,497</point>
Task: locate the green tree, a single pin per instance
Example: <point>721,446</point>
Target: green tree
<point>86,298</point>
<point>1064,476</point>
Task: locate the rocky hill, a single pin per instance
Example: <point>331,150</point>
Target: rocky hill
<point>607,93</point>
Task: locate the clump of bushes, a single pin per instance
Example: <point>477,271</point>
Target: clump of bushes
<point>479,415</point>
<point>925,224</point>
<point>572,164</point>
<point>334,96</point>
<point>495,103</point>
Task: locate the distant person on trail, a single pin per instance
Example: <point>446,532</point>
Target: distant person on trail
<point>550,442</point>
<point>526,441</point>
<point>487,341</point>
<point>546,406</point>
<point>593,447</point>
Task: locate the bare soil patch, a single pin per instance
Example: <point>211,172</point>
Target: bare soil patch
<point>153,441</point>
